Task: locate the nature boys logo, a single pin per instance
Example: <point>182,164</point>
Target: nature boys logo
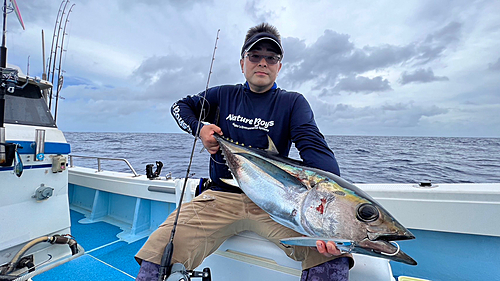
<point>250,123</point>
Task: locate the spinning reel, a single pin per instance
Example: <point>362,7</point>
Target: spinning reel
<point>179,273</point>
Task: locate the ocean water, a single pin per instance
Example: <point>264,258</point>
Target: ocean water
<point>362,159</point>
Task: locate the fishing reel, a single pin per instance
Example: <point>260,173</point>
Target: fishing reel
<point>179,273</point>
<point>149,170</point>
<point>10,77</point>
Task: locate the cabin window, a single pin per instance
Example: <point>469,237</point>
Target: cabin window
<point>27,107</point>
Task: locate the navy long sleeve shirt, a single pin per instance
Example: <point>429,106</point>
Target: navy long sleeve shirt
<point>249,117</point>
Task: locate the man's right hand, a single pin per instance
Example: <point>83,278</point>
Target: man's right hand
<point>207,137</point>
<point>327,249</point>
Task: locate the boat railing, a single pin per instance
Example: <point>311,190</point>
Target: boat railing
<point>99,159</point>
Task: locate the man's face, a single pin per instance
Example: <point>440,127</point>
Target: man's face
<point>260,75</point>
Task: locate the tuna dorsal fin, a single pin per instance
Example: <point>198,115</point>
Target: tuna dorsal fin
<point>271,148</point>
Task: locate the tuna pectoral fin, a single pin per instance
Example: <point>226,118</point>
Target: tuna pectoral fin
<point>230,182</point>
<point>287,223</point>
<point>343,245</point>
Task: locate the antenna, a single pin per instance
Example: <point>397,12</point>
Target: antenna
<point>44,74</point>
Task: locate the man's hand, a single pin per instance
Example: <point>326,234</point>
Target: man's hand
<point>327,249</point>
<point>207,137</point>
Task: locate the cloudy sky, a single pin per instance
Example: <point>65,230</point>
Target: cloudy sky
<point>409,68</point>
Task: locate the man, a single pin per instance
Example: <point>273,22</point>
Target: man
<point>246,113</point>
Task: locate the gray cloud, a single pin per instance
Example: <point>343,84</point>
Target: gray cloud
<point>75,81</point>
<point>35,11</point>
<point>436,43</point>
<point>171,75</point>
<point>257,13</point>
<point>360,84</point>
<point>420,76</point>
<point>436,12</point>
<point>324,60</point>
<point>97,94</point>
<point>333,55</point>
<point>177,4</point>
<point>394,117</point>
<point>175,76</point>
<point>494,66</point>
<point>485,94</point>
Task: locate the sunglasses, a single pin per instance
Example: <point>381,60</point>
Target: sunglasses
<point>257,58</point>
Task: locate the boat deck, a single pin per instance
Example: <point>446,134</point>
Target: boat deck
<point>106,256</point>
<point>453,254</point>
<point>109,258</point>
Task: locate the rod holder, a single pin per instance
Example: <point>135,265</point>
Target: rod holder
<point>3,155</point>
<point>39,144</point>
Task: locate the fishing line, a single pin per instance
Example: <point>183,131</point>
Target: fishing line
<point>166,260</point>
<point>395,253</point>
<point>215,161</point>
<point>203,101</point>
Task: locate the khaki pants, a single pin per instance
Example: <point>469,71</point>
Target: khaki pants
<point>212,217</point>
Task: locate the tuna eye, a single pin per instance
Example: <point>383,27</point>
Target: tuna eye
<point>367,213</point>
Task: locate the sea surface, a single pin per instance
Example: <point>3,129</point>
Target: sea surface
<point>362,159</point>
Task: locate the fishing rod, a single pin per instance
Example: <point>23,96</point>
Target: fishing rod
<point>53,49</point>
<point>60,79</point>
<point>48,70</point>
<point>166,259</point>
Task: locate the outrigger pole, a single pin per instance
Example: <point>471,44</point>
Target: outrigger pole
<point>166,259</point>
<point>3,53</point>
<point>8,78</point>
<point>3,62</point>
<point>3,48</point>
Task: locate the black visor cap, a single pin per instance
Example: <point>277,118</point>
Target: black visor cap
<point>261,37</point>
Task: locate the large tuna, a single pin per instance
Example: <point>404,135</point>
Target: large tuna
<point>315,203</point>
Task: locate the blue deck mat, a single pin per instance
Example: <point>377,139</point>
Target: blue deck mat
<point>115,261</point>
<point>92,235</point>
<point>121,255</point>
<point>83,268</point>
